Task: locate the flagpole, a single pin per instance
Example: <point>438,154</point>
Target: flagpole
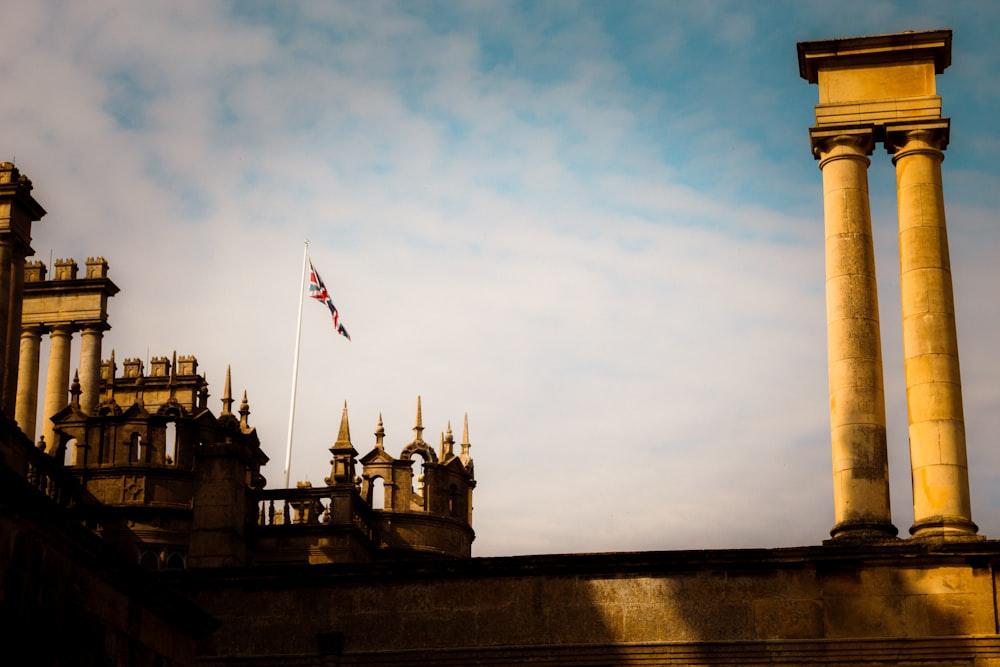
<point>295,365</point>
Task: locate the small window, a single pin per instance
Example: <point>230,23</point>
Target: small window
<point>377,493</point>
<point>70,456</point>
<point>170,451</point>
<point>175,561</point>
<point>136,450</point>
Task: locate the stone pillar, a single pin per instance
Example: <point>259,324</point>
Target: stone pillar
<point>6,290</point>
<point>941,505</point>
<point>27,380</point>
<point>13,350</point>
<point>18,209</point>
<point>857,399</point>
<point>90,368</point>
<point>57,382</point>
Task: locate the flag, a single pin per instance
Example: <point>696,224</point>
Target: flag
<point>317,290</point>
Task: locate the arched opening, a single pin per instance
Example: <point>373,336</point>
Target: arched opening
<point>148,560</point>
<point>419,487</point>
<point>69,457</point>
<point>175,561</point>
<point>136,449</point>
<point>170,444</point>
<point>376,493</point>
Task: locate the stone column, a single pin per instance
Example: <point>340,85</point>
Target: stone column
<point>90,367</point>
<point>13,349</point>
<point>57,382</point>
<point>857,399</point>
<point>941,505</point>
<point>6,334</point>
<point>27,380</point>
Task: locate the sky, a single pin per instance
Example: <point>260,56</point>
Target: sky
<point>594,227</point>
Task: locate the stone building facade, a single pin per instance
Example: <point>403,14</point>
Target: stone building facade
<point>144,529</point>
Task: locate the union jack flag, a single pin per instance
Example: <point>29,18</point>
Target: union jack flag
<point>317,290</point>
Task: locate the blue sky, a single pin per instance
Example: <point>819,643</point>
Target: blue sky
<point>595,227</point>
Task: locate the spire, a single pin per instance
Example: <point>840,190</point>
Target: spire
<point>344,437</point>
<point>464,456</point>
<point>203,392</point>
<point>227,395</point>
<point>447,442</point>
<point>173,375</point>
<point>244,411</point>
<point>419,427</point>
<point>342,471</point>
<point>379,433</point>
<point>75,391</point>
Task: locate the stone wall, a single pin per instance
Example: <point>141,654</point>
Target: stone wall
<point>900,603</point>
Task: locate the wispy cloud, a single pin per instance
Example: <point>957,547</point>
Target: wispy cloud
<point>596,228</point>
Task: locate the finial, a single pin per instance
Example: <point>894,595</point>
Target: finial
<point>203,392</point>
<point>227,395</point>
<point>447,441</point>
<point>244,411</point>
<point>75,391</point>
<point>379,433</point>
<point>173,372</point>
<point>344,437</point>
<point>466,459</point>
<point>419,427</point>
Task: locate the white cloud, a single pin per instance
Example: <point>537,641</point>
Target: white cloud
<point>587,254</point>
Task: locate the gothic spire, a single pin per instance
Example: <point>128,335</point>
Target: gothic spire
<point>342,472</point>
<point>464,456</point>
<point>244,411</point>
<point>447,442</point>
<point>379,433</point>
<point>419,427</point>
<point>344,436</point>
<point>227,395</point>
<point>75,390</point>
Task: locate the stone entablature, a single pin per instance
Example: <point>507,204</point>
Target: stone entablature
<point>876,80</point>
<point>66,298</point>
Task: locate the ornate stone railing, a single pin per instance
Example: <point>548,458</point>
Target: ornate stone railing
<point>51,477</point>
<point>308,506</point>
<point>286,507</point>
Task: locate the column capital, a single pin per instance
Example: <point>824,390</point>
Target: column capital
<point>32,330</point>
<point>94,328</point>
<point>926,136</point>
<point>834,142</point>
<point>62,329</point>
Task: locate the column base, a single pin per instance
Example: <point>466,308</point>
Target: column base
<point>945,529</point>
<point>862,532</point>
